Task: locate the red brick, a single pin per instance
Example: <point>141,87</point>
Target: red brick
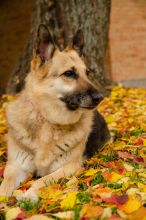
<point>127,40</point>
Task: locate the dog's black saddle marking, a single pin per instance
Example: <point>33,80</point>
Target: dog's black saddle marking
<point>98,136</point>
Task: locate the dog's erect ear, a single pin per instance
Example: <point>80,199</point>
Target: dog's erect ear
<point>45,44</point>
<point>78,42</point>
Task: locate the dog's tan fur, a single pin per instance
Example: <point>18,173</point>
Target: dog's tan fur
<point>44,136</point>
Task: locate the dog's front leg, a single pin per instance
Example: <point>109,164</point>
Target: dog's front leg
<point>65,171</point>
<point>44,158</point>
<point>13,176</point>
<point>18,167</point>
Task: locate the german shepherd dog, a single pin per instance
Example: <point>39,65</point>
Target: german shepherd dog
<point>53,122</point>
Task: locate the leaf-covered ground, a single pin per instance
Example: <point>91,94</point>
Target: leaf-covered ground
<point>112,184</point>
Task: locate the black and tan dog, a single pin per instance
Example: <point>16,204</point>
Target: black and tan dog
<point>53,122</point>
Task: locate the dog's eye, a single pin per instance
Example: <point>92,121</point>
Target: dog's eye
<point>70,74</point>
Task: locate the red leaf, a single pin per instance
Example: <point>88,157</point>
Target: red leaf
<point>111,164</point>
<point>139,142</point>
<point>138,159</point>
<point>115,217</point>
<point>125,155</point>
<point>116,199</point>
<point>21,215</point>
<point>24,187</point>
<point>121,170</point>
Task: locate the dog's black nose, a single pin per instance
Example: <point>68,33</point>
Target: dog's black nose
<point>96,97</point>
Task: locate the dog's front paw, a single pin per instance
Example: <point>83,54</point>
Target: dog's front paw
<point>30,194</point>
<point>6,189</point>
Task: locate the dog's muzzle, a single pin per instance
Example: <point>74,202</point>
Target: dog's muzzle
<point>88,99</point>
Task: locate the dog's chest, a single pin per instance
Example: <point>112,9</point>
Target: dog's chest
<point>59,132</point>
<point>51,147</point>
<point>51,133</point>
<point>43,134</point>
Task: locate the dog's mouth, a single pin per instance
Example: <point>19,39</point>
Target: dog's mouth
<point>86,100</point>
<point>69,103</point>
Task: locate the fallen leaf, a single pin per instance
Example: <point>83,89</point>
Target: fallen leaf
<point>117,199</point>
<point>69,201</point>
<point>131,205</point>
<point>65,215</point>
<point>39,217</point>
<point>125,155</point>
<point>90,172</point>
<point>91,211</point>
<point>3,198</point>
<point>139,214</point>
<point>15,213</point>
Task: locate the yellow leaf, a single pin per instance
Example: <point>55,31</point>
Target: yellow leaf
<point>91,172</point>
<point>12,213</point>
<point>69,200</point>
<point>109,119</point>
<point>115,177</point>
<point>142,152</point>
<point>132,204</point>
<point>114,94</point>
<point>119,145</point>
<point>142,175</point>
<point>140,185</point>
<point>49,192</point>
<point>3,199</point>
<point>144,142</point>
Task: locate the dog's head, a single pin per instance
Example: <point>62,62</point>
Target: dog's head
<point>63,75</point>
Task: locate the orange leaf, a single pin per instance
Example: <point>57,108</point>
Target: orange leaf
<point>91,211</point>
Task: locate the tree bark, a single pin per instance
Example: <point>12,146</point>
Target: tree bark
<point>63,18</point>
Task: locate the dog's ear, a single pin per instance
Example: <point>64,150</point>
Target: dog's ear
<point>45,44</point>
<point>78,42</point>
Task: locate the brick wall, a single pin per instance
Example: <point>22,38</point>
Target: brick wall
<point>127,40</point>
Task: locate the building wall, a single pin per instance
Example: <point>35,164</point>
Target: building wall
<point>127,40</point>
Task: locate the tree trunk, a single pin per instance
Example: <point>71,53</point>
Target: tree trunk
<point>63,18</point>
